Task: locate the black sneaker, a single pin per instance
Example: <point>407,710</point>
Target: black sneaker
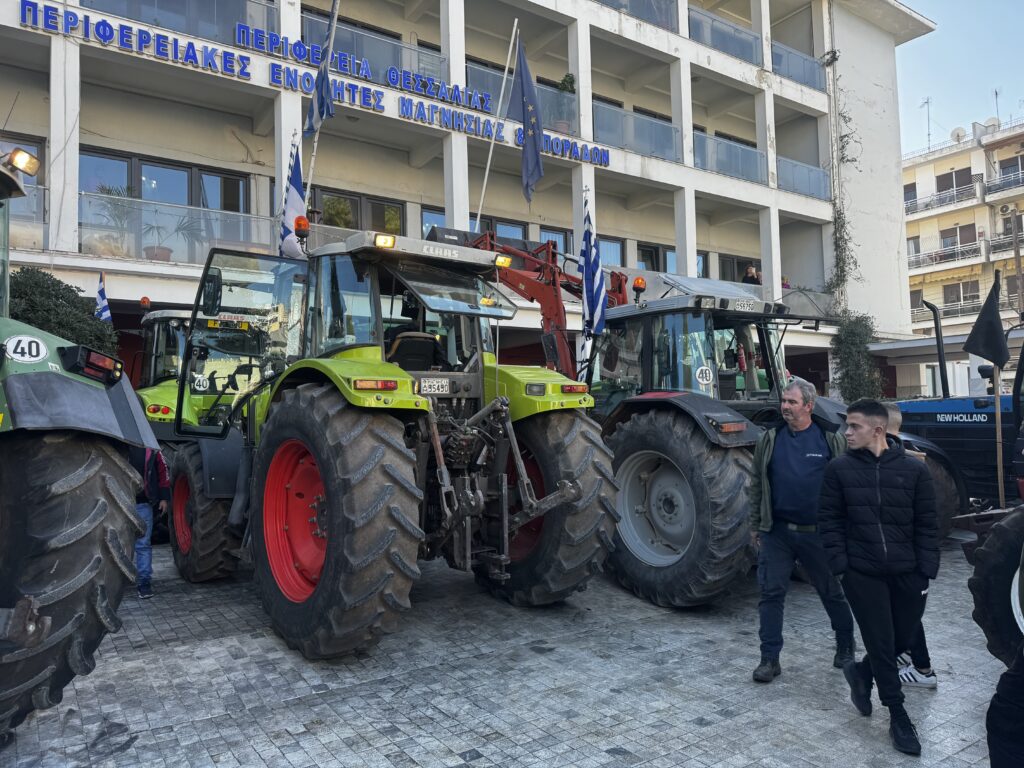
<point>145,590</point>
<point>904,734</point>
<point>860,691</point>
<point>845,648</point>
<point>767,670</point>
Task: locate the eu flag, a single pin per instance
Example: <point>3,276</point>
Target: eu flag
<point>524,108</point>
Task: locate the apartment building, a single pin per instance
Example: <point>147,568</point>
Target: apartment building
<point>960,199</point>
<point>703,134</point>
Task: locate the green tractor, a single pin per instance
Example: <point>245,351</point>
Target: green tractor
<point>376,429</point>
<point>67,498</point>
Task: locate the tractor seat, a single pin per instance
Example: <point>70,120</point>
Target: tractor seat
<point>415,351</point>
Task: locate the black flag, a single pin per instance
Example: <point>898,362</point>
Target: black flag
<point>987,339</point>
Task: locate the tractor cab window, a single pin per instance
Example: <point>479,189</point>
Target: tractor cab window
<point>340,313</point>
<point>683,355</point>
<point>618,364</point>
<point>436,319</point>
<point>229,354</point>
<point>162,348</point>
<point>747,361</point>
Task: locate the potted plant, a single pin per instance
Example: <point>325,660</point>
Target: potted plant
<point>187,227</point>
<point>565,108</point>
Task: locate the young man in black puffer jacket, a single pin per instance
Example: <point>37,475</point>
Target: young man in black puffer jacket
<point>879,526</point>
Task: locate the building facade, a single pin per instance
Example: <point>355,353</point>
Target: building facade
<point>705,136</point>
<point>960,199</point>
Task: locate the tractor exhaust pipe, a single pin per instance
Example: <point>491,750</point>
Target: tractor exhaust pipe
<point>943,376</point>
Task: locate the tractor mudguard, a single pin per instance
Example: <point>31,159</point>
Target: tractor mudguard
<point>221,460</point>
<point>933,451</point>
<point>41,400</point>
<point>709,414</point>
<point>512,383</point>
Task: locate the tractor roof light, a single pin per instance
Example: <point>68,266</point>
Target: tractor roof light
<point>21,160</point>
<point>536,389</point>
<point>301,227</point>
<point>384,241</point>
<point>639,286</point>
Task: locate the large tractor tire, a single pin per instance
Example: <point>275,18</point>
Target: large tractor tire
<point>555,555</point>
<point>67,536</point>
<point>994,585</point>
<point>198,525</point>
<point>334,528</point>
<point>683,535</point>
<point>947,495</point>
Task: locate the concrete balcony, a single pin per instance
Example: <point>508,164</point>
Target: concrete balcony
<point>28,220</point>
<point>660,13</point>
<point>1009,181</point>
<point>798,66</point>
<point>711,153</point>
<point>966,193</point>
<point>944,256</point>
<point>209,19</point>
<point>803,179</point>
<point>722,35</point>
<point>644,135</point>
<point>559,110</point>
<point>1003,243</point>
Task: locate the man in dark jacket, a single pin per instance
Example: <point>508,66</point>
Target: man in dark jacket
<point>879,527</point>
<point>789,463</point>
<point>154,492</point>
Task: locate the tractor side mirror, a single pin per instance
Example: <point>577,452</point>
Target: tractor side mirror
<point>212,292</point>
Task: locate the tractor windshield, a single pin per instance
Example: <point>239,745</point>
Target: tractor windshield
<point>340,313</point>
<point>684,356</point>
<point>162,350</point>
<point>748,358</point>
<point>446,291</point>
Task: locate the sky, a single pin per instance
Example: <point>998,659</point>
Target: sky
<point>971,53</point>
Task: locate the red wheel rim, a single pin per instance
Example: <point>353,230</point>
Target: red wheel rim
<point>182,529</point>
<point>296,544</point>
<point>526,539</point>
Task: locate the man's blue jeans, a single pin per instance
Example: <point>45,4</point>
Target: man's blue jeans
<point>143,545</point>
<point>780,549</point>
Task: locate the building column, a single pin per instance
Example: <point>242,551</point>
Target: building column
<point>761,23</point>
<point>631,254</point>
<point>456,147</point>
<point>685,204</point>
<point>62,146</point>
<point>580,66</point>
<point>771,254</point>
<point>288,115</point>
<point>764,113</point>
<point>682,106</point>
<point>683,9</point>
<point>584,182</point>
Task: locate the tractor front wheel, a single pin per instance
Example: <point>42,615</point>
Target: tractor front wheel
<point>557,554</point>
<point>995,586</point>
<point>67,534</point>
<point>335,537</point>
<point>947,495</point>
<point>683,534</point>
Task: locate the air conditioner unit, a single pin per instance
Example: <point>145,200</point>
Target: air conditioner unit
<point>1006,209</point>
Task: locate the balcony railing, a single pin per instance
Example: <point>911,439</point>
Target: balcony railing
<point>558,109</point>
<point>711,153</point>
<point>948,197</point>
<point>28,220</point>
<point>209,19</point>
<point>944,255</point>
<point>379,51</point>
<point>126,228</point>
<point>961,309</point>
<point>661,13</point>
<point>1004,243</point>
<point>711,30</point>
<point>637,133</point>
<point>798,66</point>
<point>803,301</point>
<point>803,179</point>
<point>324,234</point>
<point>1009,181</point>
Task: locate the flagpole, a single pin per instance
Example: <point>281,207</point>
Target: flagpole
<point>316,135</point>
<point>494,134</point>
<point>996,387</point>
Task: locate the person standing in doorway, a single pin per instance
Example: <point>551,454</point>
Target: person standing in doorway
<point>880,530</point>
<point>788,467</point>
<point>154,492</point>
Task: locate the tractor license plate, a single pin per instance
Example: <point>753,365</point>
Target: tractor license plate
<point>434,386</point>
<point>743,305</point>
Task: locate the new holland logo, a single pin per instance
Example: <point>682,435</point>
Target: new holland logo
<point>961,418</point>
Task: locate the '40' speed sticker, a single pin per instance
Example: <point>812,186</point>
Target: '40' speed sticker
<point>25,349</point>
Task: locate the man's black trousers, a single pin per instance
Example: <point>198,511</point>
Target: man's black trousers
<point>888,610</point>
<point>1006,717</point>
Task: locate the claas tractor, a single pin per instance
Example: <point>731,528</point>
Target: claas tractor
<point>376,428</point>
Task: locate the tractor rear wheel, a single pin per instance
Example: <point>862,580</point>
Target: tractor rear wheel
<point>994,585</point>
<point>556,555</point>
<point>683,536</point>
<point>67,535</point>
<point>200,538</point>
<point>947,495</point>
<point>334,528</point>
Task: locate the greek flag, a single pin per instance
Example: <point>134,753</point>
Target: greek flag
<point>595,298</point>
<point>294,205</point>
<point>102,307</point>
<point>321,106</point>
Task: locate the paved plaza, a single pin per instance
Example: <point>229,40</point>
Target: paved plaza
<point>198,678</point>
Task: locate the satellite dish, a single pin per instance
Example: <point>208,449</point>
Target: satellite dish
<point>958,134</point>
<point>992,122</point>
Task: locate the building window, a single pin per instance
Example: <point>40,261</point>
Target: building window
<point>954,237</point>
<point>9,141</point>
<point>610,251</point>
<point>430,218</point>
<point>913,246</point>
<point>1011,167</point>
<point>916,299</point>
<point>736,139</point>
<point>1008,225</point>
<point>561,237</point>
<point>909,192</point>
<point>509,229</point>
<point>732,268</point>
<point>961,293</point>
<point>349,211</point>
<point>702,263</point>
<point>953,180</point>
